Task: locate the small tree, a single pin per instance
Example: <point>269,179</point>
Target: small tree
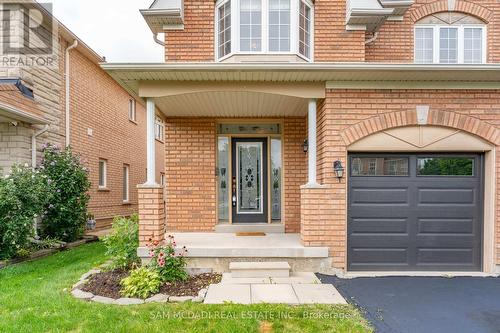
<point>22,198</point>
<point>66,209</point>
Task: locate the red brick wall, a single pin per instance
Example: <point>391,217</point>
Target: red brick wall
<point>351,114</point>
<point>196,41</point>
<point>99,103</point>
<point>295,167</point>
<point>190,174</point>
<point>395,40</point>
<point>332,42</point>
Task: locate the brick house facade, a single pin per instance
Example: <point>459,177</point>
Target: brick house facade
<point>372,90</point>
<point>99,119</point>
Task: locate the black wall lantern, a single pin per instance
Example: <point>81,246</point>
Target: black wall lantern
<point>305,146</point>
<point>338,169</point>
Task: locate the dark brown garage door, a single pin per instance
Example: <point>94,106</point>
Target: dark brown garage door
<point>415,212</point>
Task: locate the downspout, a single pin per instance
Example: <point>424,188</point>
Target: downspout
<point>33,144</point>
<point>157,40</point>
<point>66,75</point>
<point>371,40</point>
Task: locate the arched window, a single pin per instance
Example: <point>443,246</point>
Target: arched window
<point>264,27</point>
<point>450,38</point>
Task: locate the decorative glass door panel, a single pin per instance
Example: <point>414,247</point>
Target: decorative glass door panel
<point>249,195</point>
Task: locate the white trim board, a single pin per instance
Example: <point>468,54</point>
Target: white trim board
<point>411,85</point>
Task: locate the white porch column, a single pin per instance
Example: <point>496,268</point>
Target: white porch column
<point>150,137</point>
<point>312,181</point>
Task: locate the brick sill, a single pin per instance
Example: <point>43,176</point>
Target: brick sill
<point>103,189</point>
<point>133,122</point>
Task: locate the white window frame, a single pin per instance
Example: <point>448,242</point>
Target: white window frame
<point>159,129</point>
<point>104,173</point>
<point>132,110</point>
<point>126,185</point>
<point>460,46</point>
<point>235,30</point>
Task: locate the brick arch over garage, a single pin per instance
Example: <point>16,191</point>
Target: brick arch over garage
<point>409,118</point>
<point>465,7</point>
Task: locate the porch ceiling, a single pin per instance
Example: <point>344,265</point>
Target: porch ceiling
<point>231,104</point>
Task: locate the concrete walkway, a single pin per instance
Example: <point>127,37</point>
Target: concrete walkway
<point>300,288</point>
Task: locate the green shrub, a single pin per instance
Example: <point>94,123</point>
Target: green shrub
<point>142,282</point>
<point>122,243</point>
<point>165,260</point>
<point>22,198</point>
<point>67,180</point>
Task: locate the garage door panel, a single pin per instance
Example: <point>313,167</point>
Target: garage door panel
<point>448,256</point>
<point>445,226</point>
<point>415,222</point>
<point>379,196</point>
<point>374,241</point>
<point>440,197</point>
<point>372,226</point>
<point>376,256</point>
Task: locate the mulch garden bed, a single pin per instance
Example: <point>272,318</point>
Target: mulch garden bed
<point>192,286</point>
<point>107,284</point>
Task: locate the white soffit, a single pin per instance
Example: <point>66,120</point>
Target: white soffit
<point>231,104</point>
<point>369,15</point>
<point>164,14</point>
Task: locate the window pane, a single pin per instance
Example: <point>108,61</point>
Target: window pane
<point>423,45</point>
<point>224,25</point>
<point>276,170</point>
<point>125,183</point>
<point>102,173</point>
<point>445,166</point>
<point>279,25</point>
<point>304,28</point>
<point>250,25</point>
<point>379,166</point>
<point>448,41</point>
<point>223,179</point>
<point>473,46</point>
<point>249,129</point>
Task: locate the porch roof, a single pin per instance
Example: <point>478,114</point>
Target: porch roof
<point>241,100</point>
<point>128,73</point>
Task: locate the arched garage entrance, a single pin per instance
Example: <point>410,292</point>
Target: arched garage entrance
<point>417,201</point>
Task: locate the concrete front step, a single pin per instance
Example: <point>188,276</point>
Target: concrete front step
<point>268,228</point>
<point>279,269</point>
<point>295,278</point>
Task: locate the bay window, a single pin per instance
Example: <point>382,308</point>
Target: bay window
<point>264,27</point>
<point>450,44</point>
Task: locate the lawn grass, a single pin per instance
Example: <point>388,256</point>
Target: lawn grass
<point>35,297</point>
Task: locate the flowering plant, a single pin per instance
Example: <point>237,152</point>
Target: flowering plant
<point>169,262</point>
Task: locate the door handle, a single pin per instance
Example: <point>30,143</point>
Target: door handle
<point>234,191</point>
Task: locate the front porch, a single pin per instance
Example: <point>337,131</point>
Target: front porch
<point>217,250</point>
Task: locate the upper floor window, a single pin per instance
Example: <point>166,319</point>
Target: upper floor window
<point>264,27</point>
<point>132,115</point>
<point>450,38</point>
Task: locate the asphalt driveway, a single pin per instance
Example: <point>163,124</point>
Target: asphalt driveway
<point>425,304</point>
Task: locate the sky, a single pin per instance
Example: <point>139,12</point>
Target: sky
<point>113,28</point>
